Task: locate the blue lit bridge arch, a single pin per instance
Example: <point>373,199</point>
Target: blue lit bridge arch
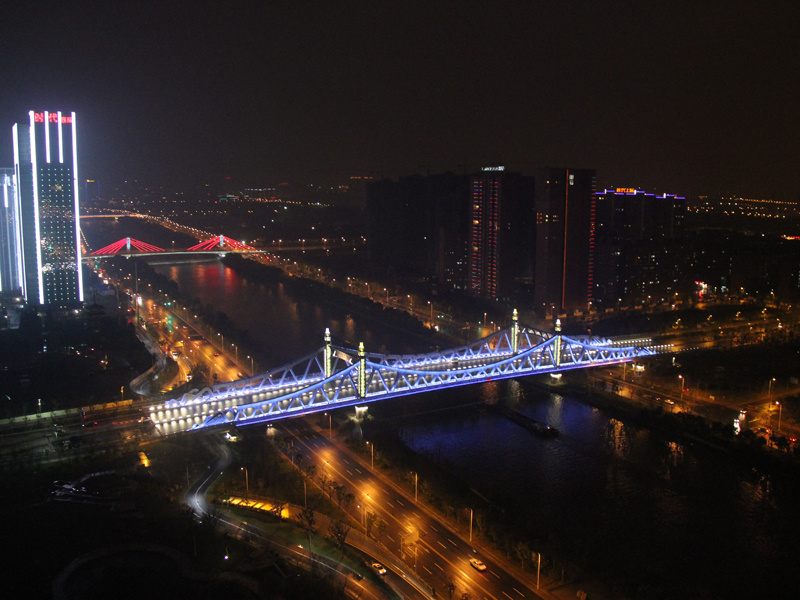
<point>334,377</point>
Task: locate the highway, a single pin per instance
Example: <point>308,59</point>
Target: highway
<point>440,556</point>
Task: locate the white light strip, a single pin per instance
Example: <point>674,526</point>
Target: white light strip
<point>6,182</point>
<point>18,212</point>
<point>60,140</point>
<point>46,136</point>
<point>78,257</point>
<point>35,169</point>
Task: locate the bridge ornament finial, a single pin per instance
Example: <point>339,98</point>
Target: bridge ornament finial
<point>328,352</point>
<point>515,331</point>
<point>362,371</point>
<point>557,351</point>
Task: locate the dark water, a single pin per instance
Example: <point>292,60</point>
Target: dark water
<point>681,520</point>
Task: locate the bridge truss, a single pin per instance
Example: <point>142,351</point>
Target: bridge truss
<point>335,377</point>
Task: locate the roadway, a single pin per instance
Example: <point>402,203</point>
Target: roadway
<point>440,556</point>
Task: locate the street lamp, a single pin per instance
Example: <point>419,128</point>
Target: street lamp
<point>251,364</point>
<point>415,485</point>
<point>330,426</point>
<point>780,413</point>
<point>470,525</point>
<point>372,453</point>
<point>769,393</point>
<point>246,478</point>
<point>683,382</point>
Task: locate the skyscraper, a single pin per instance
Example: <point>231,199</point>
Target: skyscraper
<point>10,253</point>
<point>565,238</point>
<point>501,234</point>
<point>46,171</point>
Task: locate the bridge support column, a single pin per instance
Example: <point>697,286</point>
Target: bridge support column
<point>514,332</point>
<point>328,352</point>
<point>362,371</point>
<point>557,350</point>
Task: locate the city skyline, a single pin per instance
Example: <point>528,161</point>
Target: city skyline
<point>667,96</point>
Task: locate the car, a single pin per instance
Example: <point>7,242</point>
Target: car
<point>477,564</point>
<point>378,568</point>
<point>216,353</point>
<point>668,401</point>
<point>239,374</point>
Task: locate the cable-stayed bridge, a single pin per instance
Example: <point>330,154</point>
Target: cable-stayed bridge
<point>334,377</point>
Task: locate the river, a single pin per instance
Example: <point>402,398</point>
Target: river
<point>683,520</point>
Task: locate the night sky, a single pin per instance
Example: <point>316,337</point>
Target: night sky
<point>684,97</point>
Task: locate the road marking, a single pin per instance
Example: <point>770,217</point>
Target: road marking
<point>452,542</point>
<point>350,472</point>
<point>437,565</point>
<point>434,528</point>
<point>506,595</point>
<point>389,504</point>
<point>495,574</point>
<point>390,537</point>
<point>516,590</point>
<point>400,503</point>
<point>427,569</point>
<point>359,471</point>
<point>441,544</point>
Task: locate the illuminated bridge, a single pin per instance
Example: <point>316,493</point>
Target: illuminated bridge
<point>335,377</point>
<point>219,244</point>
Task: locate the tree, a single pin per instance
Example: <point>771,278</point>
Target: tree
<point>522,550</point>
<point>450,588</point>
<point>381,529</point>
<point>338,531</point>
<point>308,519</point>
<point>348,499</point>
<point>371,518</point>
<point>278,508</point>
<point>340,491</point>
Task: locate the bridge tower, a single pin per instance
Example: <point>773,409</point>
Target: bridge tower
<point>362,371</point>
<point>127,243</point>
<point>557,352</point>
<point>328,352</point>
<point>515,332</point>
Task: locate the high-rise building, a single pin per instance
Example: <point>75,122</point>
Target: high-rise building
<point>565,238</point>
<point>501,229</point>
<point>10,250</point>
<point>46,171</point>
<point>634,257</point>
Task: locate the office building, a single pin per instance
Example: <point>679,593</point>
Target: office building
<point>46,172</point>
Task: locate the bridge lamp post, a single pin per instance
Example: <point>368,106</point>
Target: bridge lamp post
<point>246,479</point>
<point>252,369</point>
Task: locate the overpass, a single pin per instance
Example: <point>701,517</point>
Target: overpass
<point>335,377</point>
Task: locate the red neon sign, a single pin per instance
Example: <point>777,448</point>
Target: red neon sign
<point>51,117</point>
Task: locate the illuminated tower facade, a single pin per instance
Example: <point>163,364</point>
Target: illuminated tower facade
<point>10,252</point>
<point>46,172</point>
